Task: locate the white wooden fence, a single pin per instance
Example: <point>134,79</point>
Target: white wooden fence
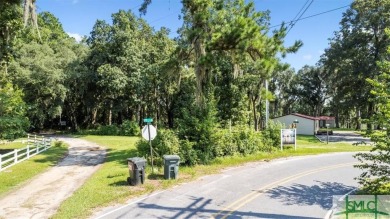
<point>35,145</point>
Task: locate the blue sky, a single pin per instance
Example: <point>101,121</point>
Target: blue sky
<point>79,16</point>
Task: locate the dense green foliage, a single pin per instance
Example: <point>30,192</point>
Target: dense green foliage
<point>210,79</point>
<point>13,121</point>
<point>376,176</point>
<point>351,58</point>
<point>204,144</point>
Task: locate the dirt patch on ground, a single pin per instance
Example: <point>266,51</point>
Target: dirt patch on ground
<point>41,197</point>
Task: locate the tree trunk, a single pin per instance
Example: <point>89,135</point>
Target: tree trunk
<point>370,113</point>
<point>255,114</point>
<point>358,123</point>
<point>94,115</point>
<point>170,114</point>
<point>73,120</point>
<point>110,113</point>
<point>157,113</point>
<point>170,118</point>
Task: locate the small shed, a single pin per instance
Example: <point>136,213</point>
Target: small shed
<point>307,125</point>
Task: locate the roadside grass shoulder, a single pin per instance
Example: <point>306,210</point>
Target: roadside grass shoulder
<point>108,186</point>
<point>21,173</point>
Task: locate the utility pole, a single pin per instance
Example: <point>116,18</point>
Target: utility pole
<point>266,104</point>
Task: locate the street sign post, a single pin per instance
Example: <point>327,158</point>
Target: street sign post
<point>149,132</point>
<point>148,120</point>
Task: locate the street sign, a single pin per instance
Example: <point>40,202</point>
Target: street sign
<point>145,133</point>
<point>148,120</point>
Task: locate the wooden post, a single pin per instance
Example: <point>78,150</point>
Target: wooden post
<point>1,162</point>
<point>28,151</point>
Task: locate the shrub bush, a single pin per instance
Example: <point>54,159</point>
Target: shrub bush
<point>248,141</point>
<point>166,142</point>
<point>188,155</point>
<point>13,127</point>
<point>129,128</point>
<point>224,143</point>
<point>242,140</point>
<point>271,136</point>
<point>108,130</point>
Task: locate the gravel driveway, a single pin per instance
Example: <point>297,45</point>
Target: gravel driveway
<point>345,136</point>
<point>41,196</point>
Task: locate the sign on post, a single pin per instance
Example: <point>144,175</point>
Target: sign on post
<point>145,132</point>
<point>149,132</point>
<point>148,120</point>
<point>288,136</point>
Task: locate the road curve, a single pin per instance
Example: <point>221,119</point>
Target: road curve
<point>299,187</point>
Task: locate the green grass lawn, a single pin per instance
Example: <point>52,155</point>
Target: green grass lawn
<point>12,145</point>
<point>108,185</point>
<point>20,173</point>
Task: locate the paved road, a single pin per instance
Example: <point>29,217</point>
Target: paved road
<point>300,187</point>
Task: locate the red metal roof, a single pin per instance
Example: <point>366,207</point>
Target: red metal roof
<point>314,118</point>
<point>304,116</point>
<point>326,118</point>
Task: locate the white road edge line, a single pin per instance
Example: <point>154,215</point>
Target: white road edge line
<point>131,203</point>
<point>330,212</point>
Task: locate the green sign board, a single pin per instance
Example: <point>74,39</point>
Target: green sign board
<point>148,120</point>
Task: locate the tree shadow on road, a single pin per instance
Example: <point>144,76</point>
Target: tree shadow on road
<point>321,194</point>
<point>198,208</point>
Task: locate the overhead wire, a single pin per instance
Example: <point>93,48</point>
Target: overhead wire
<point>300,16</point>
<point>291,23</point>
<point>310,16</point>
<point>299,12</point>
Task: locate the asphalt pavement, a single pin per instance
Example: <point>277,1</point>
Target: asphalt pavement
<point>299,187</point>
<point>345,136</point>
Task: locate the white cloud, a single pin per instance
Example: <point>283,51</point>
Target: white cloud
<point>76,36</point>
<point>307,57</point>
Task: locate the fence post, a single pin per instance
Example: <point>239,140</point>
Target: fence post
<point>28,151</point>
<point>1,162</point>
<point>48,143</point>
<point>16,155</point>
<point>36,143</point>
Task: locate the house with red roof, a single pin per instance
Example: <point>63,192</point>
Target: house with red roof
<point>305,125</point>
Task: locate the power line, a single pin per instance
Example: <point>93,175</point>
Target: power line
<point>293,24</point>
<point>300,11</point>
<point>310,16</point>
<point>162,18</point>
